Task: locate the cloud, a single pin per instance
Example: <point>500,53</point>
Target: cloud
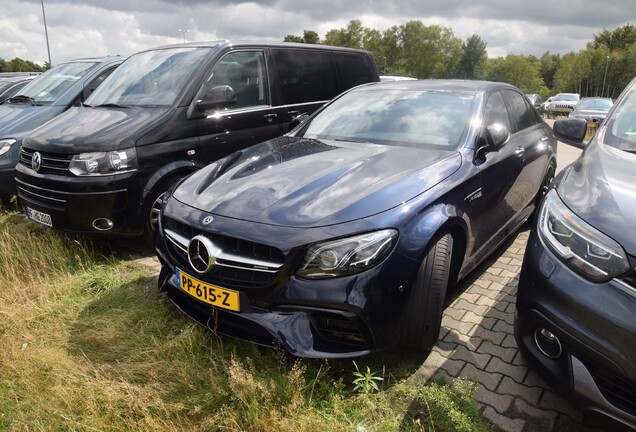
<point>82,28</point>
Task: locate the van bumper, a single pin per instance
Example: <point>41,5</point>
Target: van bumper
<point>84,205</point>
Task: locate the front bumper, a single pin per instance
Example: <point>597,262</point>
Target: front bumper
<point>595,326</point>
<point>74,204</point>
<point>341,317</point>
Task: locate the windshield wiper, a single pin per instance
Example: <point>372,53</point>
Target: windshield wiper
<point>109,105</point>
<point>22,98</point>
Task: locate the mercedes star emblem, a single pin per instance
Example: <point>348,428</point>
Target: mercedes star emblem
<point>202,254</point>
<point>208,220</point>
<point>36,161</point>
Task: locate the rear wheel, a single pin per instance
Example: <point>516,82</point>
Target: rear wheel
<point>545,184</point>
<point>5,199</point>
<point>153,204</point>
<point>423,313</point>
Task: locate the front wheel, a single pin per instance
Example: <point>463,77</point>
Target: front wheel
<point>153,204</point>
<point>422,318</point>
<point>545,184</point>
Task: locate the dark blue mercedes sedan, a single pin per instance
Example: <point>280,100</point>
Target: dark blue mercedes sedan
<point>341,237</point>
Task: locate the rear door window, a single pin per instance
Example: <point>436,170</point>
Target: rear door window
<point>305,76</point>
<point>521,113</point>
<point>353,70</point>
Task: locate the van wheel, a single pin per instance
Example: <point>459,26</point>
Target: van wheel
<point>153,204</point>
<point>422,318</point>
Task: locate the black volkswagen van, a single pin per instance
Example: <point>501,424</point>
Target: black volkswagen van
<point>103,167</point>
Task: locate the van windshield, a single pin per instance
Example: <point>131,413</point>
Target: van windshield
<point>48,87</point>
<point>150,79</point>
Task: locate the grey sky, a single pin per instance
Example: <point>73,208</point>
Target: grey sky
<point>85,28</point>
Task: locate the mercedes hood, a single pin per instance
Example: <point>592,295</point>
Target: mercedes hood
<point>301,182</point>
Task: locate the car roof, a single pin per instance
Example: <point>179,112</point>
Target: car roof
<point>451,86</point>
<point>251,43</point>
<point>105,59</point>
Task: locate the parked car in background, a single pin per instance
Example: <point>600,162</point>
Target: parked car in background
<point>341,237</point>
<point>577,288</point>
<point>592,109</point>
<point>44,98</point>
<point>544,105</point>
<point>537,101</point>
<point>12,82</point>
<point>562,104</point>
<point>103,168</point>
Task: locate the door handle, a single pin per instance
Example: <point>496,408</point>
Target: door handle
<point>270,117</point>
<point>293,113</point>
<point>519,151</point>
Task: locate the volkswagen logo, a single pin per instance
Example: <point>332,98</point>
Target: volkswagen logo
<point>36,161</point>
<point>208,220</point>
<point>202,254</point>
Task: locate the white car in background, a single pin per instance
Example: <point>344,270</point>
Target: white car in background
<point>562,104</point>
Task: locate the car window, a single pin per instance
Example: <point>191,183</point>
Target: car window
<point>154,78</point>
<point>521,113</point>
<point>419,119</point>
<point>52,84</point>
<point>621,129</point>
<point>353,70</point>
<point>496,111</point>
<point>246,73</point>
<point>305,76</point>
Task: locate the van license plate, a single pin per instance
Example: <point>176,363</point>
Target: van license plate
<point>38,216</point>
<point>208,293</point>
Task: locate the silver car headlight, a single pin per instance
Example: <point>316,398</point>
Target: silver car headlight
<point>347,256</point>
<point>6,144</point>
<point>104,163</point>
<point>584,248</point>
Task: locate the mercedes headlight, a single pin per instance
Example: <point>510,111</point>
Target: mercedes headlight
<point>587,250</point>
<point>6,144</point>
<point>104,163</point>
<point>347,256</point>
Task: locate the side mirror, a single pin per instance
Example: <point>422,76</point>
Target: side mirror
<point>299,119</point>
<point>571,131</point>
<point>496,136</point>
<point>218,97</point>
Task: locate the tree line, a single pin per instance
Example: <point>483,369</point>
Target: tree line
<point>19,65</point>
<point>603,68</point>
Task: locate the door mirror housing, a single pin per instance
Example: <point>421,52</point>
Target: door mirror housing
<point>571,131</point>
<point>218,97</point>
<point>497,136</point>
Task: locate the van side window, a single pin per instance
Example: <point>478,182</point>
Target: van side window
<point>353,70</point>
<point>245,72</point>
<point>305,76</point>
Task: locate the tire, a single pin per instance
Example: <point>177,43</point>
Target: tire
<point>5,200</point>
<point>422,318</point>
<point>545,184</point>
<point>153,204</point>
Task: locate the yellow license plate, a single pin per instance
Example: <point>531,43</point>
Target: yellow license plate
<point>208,293</point>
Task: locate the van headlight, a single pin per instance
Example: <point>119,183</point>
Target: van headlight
<point>347,256</point>
<point>6,144</point>
<point>584,248</point>
<point>104,163</point>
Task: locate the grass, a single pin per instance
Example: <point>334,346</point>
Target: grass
<point>89,344</point>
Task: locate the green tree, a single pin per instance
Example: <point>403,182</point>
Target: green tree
<point>474,56</point>
<point>518,70</point>
<point>309,36</point>
<point>351,36</point>
<point>430,51</point>
<point>549,65</point>
<point>618,39</point>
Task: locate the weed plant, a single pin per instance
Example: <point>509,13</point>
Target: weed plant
<point>87,343</point>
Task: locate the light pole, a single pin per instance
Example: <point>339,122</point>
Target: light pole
<point>46,33</point>
<point>605,76</point>
<point>183,32</point>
